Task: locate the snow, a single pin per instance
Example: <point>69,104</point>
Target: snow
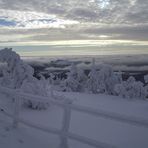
<point>131,89</point>
<point>102,129</point>
<point>106,119</point>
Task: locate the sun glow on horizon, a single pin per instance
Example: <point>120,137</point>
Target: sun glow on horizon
<point>80,47</point>
<point>101,42</point>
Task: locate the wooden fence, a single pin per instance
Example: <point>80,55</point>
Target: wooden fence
<point>64,132</point>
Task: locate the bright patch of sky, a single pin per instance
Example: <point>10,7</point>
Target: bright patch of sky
<point>30,20</point>
<point>5,22</point>
<point>77,47</point>
<point>101,3</point>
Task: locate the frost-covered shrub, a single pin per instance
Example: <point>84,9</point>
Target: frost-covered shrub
<point>6,80</point>
<point>36,87</point>
<point>146,78</point>
<point>51,78</point>
<point>92,82</point>
<point>146,86</point>
<point>16,71</point>
<point>71,83</point>
<point>131,89</point>
<point>107,80</point>
<point>76,80</point>
<point>82,79</point>
<point>18,74</point>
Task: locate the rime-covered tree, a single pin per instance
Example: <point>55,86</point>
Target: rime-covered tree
<point>131,89</point>
<point>36,87</point>
<point>19,75</point>
<point>51,78</point>
<point>82,79</point>
<point>146,84</point>
<point>92,82</point>
<point>71,83</point>
<point>107,79</point>
<point>16,71</point>
<point>146,78</point>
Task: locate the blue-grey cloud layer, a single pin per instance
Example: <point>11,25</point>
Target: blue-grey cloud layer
<point>46,20</point>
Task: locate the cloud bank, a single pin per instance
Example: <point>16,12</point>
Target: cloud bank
<point>54,20</point>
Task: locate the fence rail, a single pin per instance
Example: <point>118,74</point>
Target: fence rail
<point>68,108</point>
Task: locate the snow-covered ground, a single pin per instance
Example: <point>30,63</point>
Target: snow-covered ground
<point>122,135</point>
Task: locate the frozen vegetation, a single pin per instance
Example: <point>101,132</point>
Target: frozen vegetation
<point>19,75</point>
<point>121,122</point>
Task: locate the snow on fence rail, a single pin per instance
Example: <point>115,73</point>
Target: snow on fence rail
<point>64,132</point>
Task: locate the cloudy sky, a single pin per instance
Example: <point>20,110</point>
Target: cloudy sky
<point>42,27</point>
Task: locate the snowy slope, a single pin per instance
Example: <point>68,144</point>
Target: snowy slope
<point>105,130</point>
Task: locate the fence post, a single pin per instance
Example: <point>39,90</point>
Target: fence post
<point>65,126</point>
<point>16,111</point>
